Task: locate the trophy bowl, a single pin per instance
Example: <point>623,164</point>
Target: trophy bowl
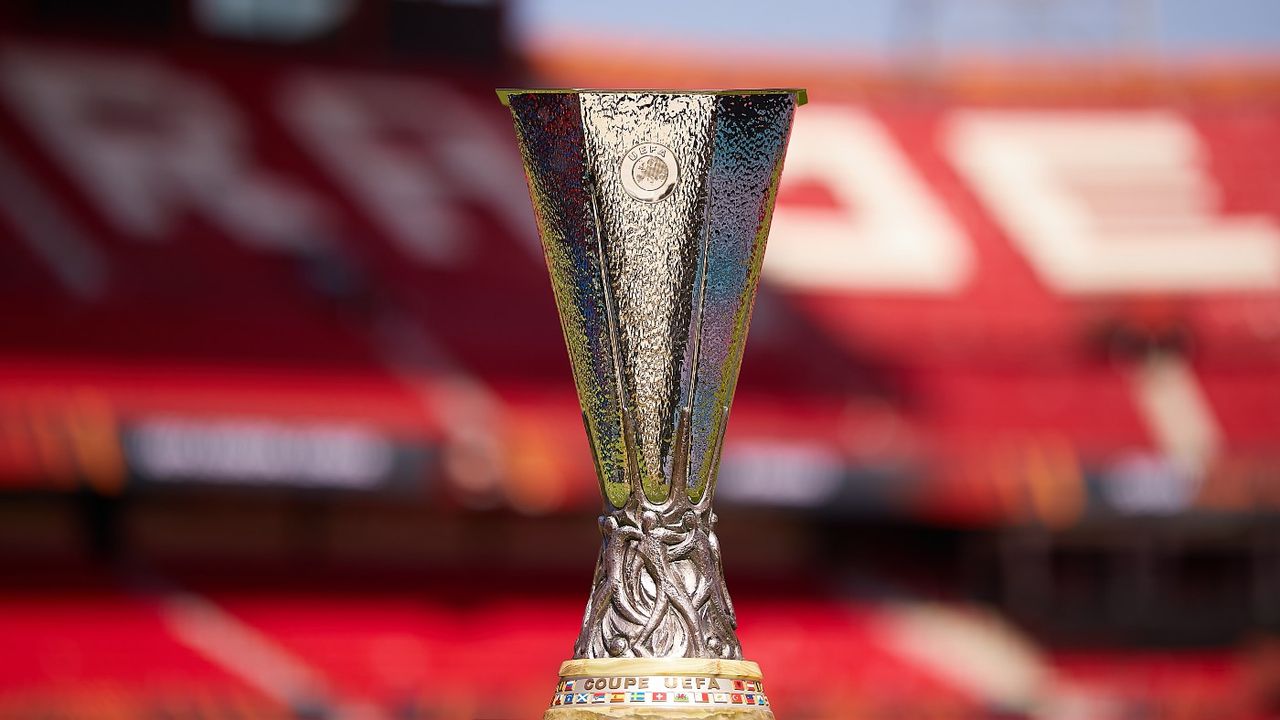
<point>653,207</point>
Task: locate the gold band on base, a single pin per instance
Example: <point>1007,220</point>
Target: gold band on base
<point>652,688</point>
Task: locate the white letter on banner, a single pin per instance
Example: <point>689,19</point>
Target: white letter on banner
<point>888,231</point>
<point>416,155</point>
<point>1112,201</point>
<point>149,144</point>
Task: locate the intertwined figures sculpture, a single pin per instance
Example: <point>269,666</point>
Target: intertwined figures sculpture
<point>653,208</point>
<point>659,587</point>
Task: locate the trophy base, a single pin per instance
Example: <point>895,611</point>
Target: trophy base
<point>659,689</point>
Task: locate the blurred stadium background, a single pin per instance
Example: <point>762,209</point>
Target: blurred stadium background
<point>287,430</point>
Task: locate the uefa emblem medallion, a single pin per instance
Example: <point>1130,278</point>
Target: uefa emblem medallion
<point>649,172</point>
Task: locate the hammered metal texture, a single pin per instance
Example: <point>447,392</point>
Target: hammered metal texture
<point>549,132</point>
<point>750,140</point>
<point>654,275</point>
<point>652,254</point>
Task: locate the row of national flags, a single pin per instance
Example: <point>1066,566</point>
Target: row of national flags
<point>707,698</point>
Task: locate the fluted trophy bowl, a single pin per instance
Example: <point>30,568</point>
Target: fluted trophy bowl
<point>654,207</point>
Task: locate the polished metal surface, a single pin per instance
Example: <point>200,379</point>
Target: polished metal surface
<point>653,209</point>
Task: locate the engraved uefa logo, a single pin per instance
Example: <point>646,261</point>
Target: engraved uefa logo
<point>649,172</point>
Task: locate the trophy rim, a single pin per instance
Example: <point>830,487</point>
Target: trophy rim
<point>801,94</point>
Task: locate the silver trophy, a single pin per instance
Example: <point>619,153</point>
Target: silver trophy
<point>653,208</point>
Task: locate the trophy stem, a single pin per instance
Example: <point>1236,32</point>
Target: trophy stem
<point>666,558</point>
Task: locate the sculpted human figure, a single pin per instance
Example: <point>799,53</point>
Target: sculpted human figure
<point>609,591</point>
<point>655,546</point>
<point>703,550</point>
<point>722,591</point>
